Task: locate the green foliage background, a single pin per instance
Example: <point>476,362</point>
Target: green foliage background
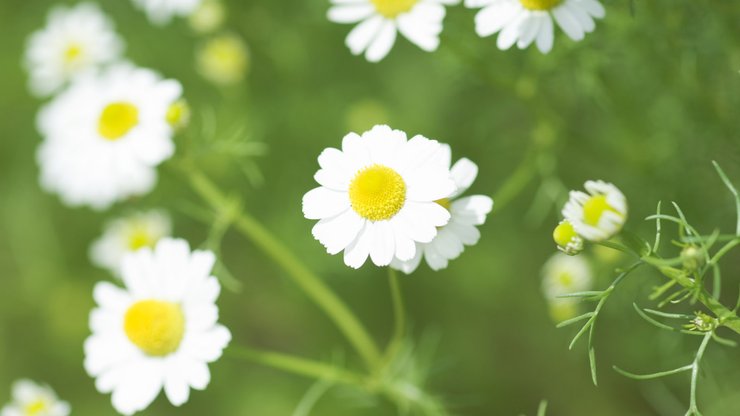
<point>646,102</point>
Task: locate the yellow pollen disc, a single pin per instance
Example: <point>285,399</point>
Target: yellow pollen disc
<point>564,233</point>
<point>445,203</point>
<point>541,5</point>
<point>140,238</point>
<point>35,408</point>
<point>156,327</point>
<point>565,280</point>
<point>377,193</point>
<point>117,119</point>
<point>72,53</point>
<point>594,208</point>
<point>392,8</point>
<point>178,114</point>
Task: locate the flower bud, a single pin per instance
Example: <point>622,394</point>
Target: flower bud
<point>568,241</point>
<point>692,258</point>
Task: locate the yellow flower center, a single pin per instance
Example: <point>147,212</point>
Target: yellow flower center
<point>540,4</point>
<point>392,8</point>
<point>36,407</point>
<point>72,54</point>
<point>594,208</point>
<point>155,326</point>
<point>178,114</point>
<point>565,279</point>
<point>377,193</point>
<point>117,119</point>
<point>140,238</point>
<point>564,233</point>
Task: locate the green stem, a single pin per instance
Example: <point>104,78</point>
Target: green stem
<point>724,250</point>
<point>517,181</point>
<point>399,316</point>
<point>297,365</point>
<point>693,409</point>
<point>311,284</point>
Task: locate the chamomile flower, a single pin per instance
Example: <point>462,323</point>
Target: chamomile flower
<point>223,60</point>
<point>377,196</point>
<point>75,39</point>
<point>522,22</point>
<point>599,214</point>
<point>420,21</point>
<point>127,235</point>
<point>563,274</point>
<point>158,332</point>
<point>31,399</point>
<point>466,213</point>
<point>104,136</point>
<point>161,12</point>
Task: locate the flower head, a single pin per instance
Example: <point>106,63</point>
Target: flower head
<point>599,214</point>
<point>568,241</point>
<point>420,21</point>
<point>129,234</point>
<point>161,12</point>
<point>158,332</point>
<point>104,136</point>
<point>465,214</point>
<point>563,274</point>
<point>522,22</point>
<point>377,196</point>
<point>75,40</point>
<point>223,60</point>
<point>31,399</point>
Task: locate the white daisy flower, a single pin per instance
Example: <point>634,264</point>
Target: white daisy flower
<point>522,22</point>
<point>74,40</point>
<point>563,274</point>
<point>568,241</point>
<point>31,399</point>
<point>104,136</point>
<point>598,215</point>
<point>420,21</point>
<point>161,12</point>
<point>160,331</point>
<point>466,213</point>
<point>127,235</point>
<point>377,196</point>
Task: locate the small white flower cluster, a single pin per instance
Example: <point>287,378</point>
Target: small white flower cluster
<point>394,200</point>
<point>105,133</point>
<point>520,22</point>
<point>595,216</point>
<point>32,399</point>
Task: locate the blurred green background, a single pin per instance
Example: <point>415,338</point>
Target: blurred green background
<point>647,102</point>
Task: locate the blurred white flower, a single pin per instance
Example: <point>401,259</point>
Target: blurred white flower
<point>598,215</point>
<point>563,274</point>
<point>208,17</point>
<point>377,196</point>
<point>420,21</point>
<point>160,331</point>
<point>129,234</point>
<point>104,136</point>
<point>31,399</point>
<point>223,60</point>
<point>161,12</point>
<point>466,213</point>
<point>522,22</point>
<point>75,39</point>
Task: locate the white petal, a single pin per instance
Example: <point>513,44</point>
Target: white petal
<point>383,245</point>
<point>351,13</point>
<point>409,266</point>
<point>363,34</point>
<point>545,36</point>
<point>568,23</point>
<point>383,42</point>
<point>321,202</point>
<point>357,252</point>
<point>472,209</point>
<point>336,233</point>
<point>463,173</point>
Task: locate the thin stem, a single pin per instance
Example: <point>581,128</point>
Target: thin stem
<point>693,409</point>
<point>311,284</point>
<point>724,250</point>
<point>517,181</point>
<point>296,365</point>
<point>399,315</point>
